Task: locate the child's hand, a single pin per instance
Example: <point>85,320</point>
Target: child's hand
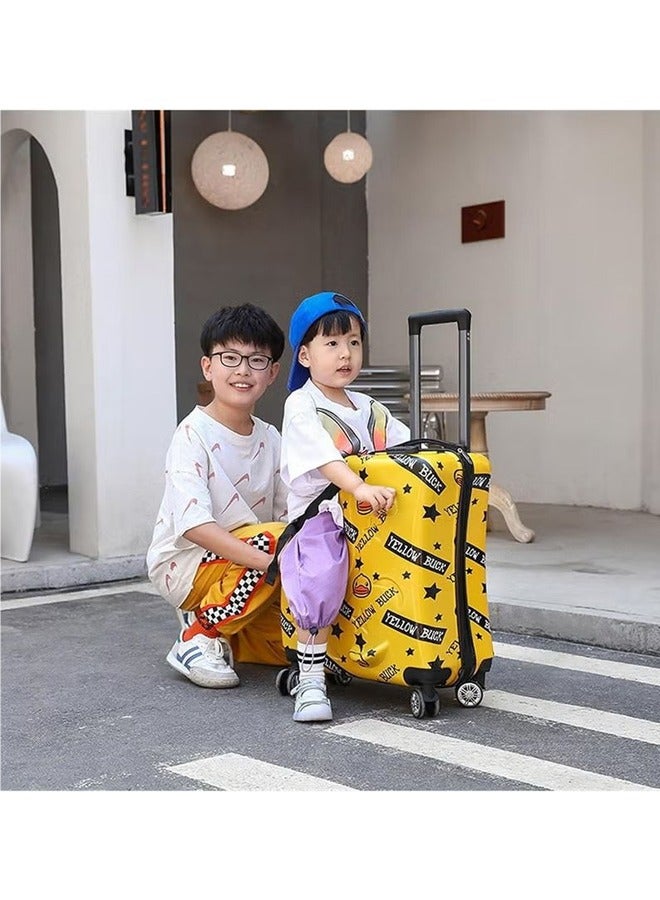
<point>377,496</point>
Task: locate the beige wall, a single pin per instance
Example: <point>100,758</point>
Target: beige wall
<point>563,303</point>
<point>118,329</point>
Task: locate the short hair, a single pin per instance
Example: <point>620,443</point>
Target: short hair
<point>336,322</point>
<point>247,324</point>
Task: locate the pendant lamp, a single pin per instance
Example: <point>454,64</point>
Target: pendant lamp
<point>348,156</point>
<point>229,169</point>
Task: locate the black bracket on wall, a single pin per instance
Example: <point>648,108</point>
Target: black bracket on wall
<point>147,164</point>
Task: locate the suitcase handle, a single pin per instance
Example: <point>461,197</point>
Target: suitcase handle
<point>463,318</point>
<point>417,444</point>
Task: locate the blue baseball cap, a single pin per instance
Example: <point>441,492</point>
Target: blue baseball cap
<point>309,310</point>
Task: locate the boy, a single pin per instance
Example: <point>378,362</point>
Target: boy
<point>219,519</point>
<point>323,423</point>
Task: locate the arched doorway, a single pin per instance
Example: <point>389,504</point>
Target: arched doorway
<point>49,353</point>
<point>32,335</point>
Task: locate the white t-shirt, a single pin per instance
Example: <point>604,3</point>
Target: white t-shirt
<point>212,474</point>
<point>316,431</point>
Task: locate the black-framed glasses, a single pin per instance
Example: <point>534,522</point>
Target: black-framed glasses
<point>232,359</point>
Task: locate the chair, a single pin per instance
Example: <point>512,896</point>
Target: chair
<point>19,487</point>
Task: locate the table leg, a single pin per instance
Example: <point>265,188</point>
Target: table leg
<point>502,501</point>
<point>497,496</point>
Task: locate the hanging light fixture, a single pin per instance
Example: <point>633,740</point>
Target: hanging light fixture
<point>229,169</point>
<point>348,156</point>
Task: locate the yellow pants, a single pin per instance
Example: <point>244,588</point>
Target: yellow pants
<point>247,608</point>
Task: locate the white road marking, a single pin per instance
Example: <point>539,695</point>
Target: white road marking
<point>578,716</point>
<point>140,587</point>
<point>606,667</point>
<point>481,758</point>
<point>233,772</point>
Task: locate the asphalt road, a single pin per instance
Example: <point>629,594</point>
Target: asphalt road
<point>89,704</point>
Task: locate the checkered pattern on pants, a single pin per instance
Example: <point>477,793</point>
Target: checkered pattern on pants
<point>239,597</point>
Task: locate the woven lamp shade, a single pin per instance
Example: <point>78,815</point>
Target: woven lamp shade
<point>348,157</point>
<point>230,170</point>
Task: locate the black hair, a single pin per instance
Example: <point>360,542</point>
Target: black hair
<point>247,324</point>
<point>336,322</point>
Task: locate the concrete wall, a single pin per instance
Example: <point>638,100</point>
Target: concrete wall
<point>306,233</point>
<point>19,396</point>
<point>117,299</point>
<point>564,303</point>
<point>651,321</point>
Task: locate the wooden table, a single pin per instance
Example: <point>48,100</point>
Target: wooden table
<point>480,406</point>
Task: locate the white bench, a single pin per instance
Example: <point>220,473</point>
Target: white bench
<point>19,487</point>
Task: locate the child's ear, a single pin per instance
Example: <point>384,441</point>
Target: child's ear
<point>205,363</point>
<point>274,372</point>
<point>303,357</point>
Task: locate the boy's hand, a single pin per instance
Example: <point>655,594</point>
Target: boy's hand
<point>377,496</point>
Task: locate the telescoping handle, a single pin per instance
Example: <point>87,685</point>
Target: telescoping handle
<point>463,318</point>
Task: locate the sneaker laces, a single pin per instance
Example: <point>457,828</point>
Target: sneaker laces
<point>315,683</point>
<point>219,652</point>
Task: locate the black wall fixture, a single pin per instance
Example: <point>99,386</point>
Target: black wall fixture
<point>147,162</point>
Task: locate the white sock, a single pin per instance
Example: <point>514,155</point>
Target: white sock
<point>311,657</point>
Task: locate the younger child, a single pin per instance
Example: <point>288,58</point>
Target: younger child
<point>218,522</point>
<point>323,423</point>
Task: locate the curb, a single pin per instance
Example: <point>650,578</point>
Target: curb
<point>80,574</point>
<point>608,632</point>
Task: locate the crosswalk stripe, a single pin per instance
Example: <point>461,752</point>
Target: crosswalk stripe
<point>606,667</point>
<point>233,772</point>
<point>481,758</point>
<point>578,716</point>
<point>140,587</point>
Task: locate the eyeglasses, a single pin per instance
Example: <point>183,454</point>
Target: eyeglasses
<point>232,359</point>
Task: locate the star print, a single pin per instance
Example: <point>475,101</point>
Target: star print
<point>437,546</point>
<point>358,563</point>
<point>363,474</point>
<point>376,576</point>
<point>336,630</point>
<point>343,658</point>
<point>440,466</point>
<point>406,575</point>
<point>345,504</point>
<point>407,489</point>
<point>475,501</point>
<point>479,638</point>
<point>288,611</point>
<point>430,512</point>
<point>468,571</point>
<point>435,663</point>
<point>438,617</point>
<point>432,591</point>
<point>371,653</point>
<point>360,641</point>
<point>410,652</point>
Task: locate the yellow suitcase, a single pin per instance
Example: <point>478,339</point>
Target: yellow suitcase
<point>415,611</point>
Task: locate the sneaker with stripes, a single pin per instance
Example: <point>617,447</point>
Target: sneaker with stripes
<point>206,661</point>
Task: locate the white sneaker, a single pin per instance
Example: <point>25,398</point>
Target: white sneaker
<point>312,704</point>
<point>205,661</point>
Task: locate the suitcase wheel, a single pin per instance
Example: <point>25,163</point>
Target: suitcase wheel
<point>421,707</point>
<point>343,680</point>
<point>469,693</point>
<point>286,680</point>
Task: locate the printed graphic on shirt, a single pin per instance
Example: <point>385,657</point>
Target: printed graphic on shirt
<point>343,436</point>
<point>377,425</point>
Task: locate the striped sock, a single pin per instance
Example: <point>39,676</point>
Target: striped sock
<point>311,657</point>
<point>201,625</point>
